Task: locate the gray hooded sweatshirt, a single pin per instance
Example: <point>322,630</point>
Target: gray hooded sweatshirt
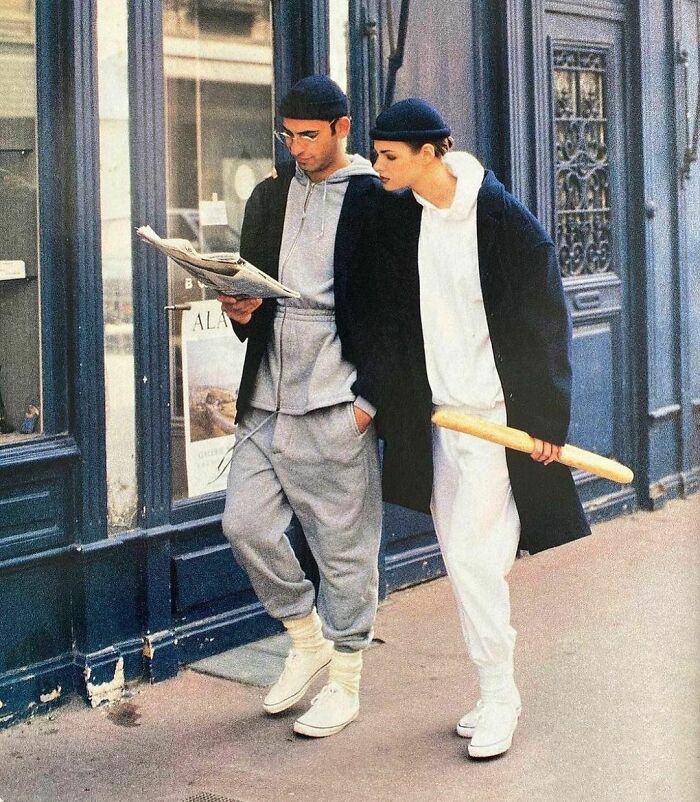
<point>303,367</point>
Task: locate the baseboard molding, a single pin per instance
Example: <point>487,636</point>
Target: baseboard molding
<point>160,655</point>
<point>603,508</point>
<point>413,566</point>
<point>101,676</point>
<point>226,630</point>
<point>673,486</point>
<point>36,689</point>
<point>690,481</point>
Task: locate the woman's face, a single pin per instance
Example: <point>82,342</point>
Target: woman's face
<point>398,164</point>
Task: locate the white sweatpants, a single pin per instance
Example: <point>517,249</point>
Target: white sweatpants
<point>478,529</point>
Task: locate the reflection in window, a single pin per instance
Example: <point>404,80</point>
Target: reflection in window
<point>218,82</point>
<point>20,326</point>
<point>115,203</point>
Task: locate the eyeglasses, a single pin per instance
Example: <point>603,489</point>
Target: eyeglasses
<point>287,137</point>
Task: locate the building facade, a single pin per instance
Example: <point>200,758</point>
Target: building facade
<point>118,374</point>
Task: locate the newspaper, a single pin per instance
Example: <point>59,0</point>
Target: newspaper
<point>227,273</point>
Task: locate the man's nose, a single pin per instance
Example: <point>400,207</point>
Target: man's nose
<point>295,146</point>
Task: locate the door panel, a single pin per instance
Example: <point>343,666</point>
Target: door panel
<point>587,162</point>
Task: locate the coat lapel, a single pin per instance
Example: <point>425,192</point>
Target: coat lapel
<point>350,228</point>
<point>489,218</point>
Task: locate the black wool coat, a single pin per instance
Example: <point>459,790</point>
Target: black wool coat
<point>530,333</point>
<point>261,239</point>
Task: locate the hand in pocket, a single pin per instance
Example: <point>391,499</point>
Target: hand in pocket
<point>362,419</point>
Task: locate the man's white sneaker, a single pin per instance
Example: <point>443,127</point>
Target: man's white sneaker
<point>332,710</point>
<point>467,724</point>
<point>494,730</point>
<point>300,670</point>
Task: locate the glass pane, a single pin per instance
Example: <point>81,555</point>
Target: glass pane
<point>218,81</point>
<point>115,203</point>
<point>20,324</point>
<point>581,164</point>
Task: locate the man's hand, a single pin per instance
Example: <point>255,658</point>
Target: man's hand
<point>239,307</point>
<point>545,452</point>
<point>362,419</point>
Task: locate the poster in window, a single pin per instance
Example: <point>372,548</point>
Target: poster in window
<point>212,360</point>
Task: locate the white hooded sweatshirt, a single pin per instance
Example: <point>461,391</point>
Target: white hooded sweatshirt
<point>458,352</point>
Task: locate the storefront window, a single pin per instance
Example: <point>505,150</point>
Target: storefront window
<point>218,85</point>
<point>20,323</point>
<point>117,232</point>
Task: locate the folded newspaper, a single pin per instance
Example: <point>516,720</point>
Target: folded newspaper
<point>227,273</point>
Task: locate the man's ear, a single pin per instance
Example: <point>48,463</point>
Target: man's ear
<point>342,127</point>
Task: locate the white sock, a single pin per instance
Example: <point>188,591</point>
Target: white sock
<point>306,632</point>
<point>346,668</point>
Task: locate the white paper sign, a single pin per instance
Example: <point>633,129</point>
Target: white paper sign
<point>212,360</point>
<point>12,268</point>
<point>212,213</point>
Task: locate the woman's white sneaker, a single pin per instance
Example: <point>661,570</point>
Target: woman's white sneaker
<point>467,724</point>
<point>494,730</point>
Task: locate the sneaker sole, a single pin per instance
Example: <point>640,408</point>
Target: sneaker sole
<point>491,750</point>
<point>465,732</point>
<point>322,732</point>
<point>285,704</point>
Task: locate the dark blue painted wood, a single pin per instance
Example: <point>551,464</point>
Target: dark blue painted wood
<point>593,402</point>
<point>148,206</point>
<point>22,691</point>
<point>223,629</point>
<point>603,404</point>
<point>316,44</point>
<point>207,575</point>
<point>35,622</point>
<point>542,155</point>
<point>151,344</point>
<point>51,32</point>
<point>289,62</point>
<point>83,232</point>
<point>410,549</point>
<point>518,116</point>
<point>490,87</point>
<point>685,33</point>
<point>363,88</point>
<point>652,85</point>
<point>44,450</point>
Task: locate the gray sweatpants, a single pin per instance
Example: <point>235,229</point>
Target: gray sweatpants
<point>321,468</point>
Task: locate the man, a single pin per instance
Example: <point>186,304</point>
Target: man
<point>306,443</point>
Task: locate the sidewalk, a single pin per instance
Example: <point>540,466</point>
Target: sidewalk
<point>607,664</point>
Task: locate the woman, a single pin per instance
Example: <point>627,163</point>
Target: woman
<point>471,312</point>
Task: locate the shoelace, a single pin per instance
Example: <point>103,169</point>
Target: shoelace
<point>290,658</point>
<point>327,690</point>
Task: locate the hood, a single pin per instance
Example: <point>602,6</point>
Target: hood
<point>337,181</point>
<point>469,173</point>
<point>358,166</point>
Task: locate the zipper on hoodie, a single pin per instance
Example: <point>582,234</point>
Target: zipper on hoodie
<point>281,279</point>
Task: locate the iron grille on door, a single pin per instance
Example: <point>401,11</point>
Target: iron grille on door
<point>581,167</point>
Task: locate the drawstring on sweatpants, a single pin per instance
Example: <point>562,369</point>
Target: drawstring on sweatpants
<point>229,451</point>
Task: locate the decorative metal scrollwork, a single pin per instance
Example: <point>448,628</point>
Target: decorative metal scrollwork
<point>581,167</point>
